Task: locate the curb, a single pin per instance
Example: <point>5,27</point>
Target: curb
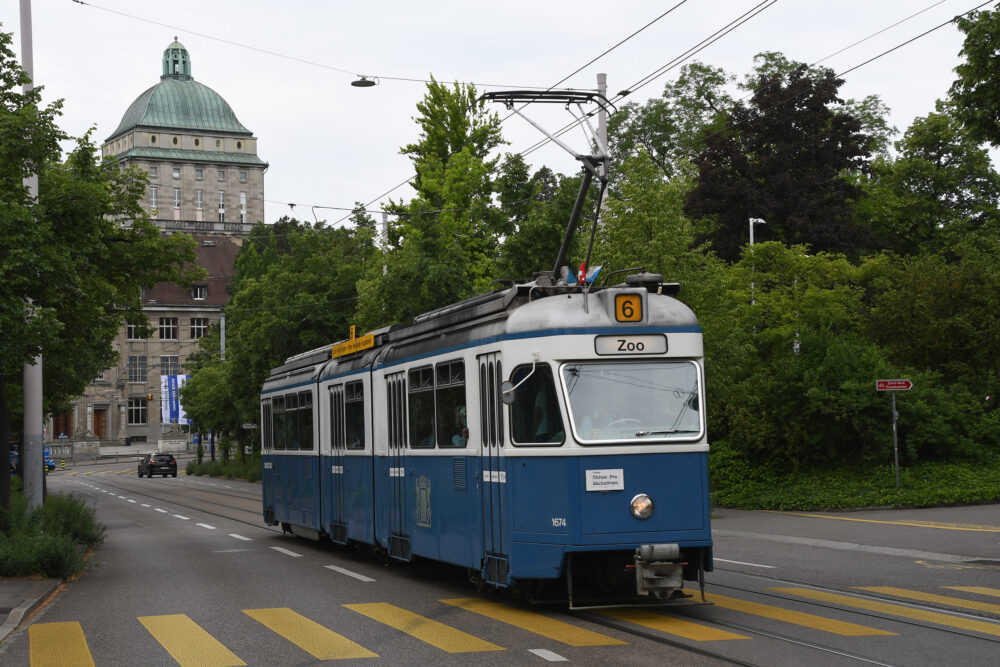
<point>34,596</point>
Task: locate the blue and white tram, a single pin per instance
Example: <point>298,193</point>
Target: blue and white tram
<point>549,438</point>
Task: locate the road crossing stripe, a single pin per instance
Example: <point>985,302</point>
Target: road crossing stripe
<point>842,628</point>
<point>349,573</point>
<point>188,643</point>
<point>533,622</point>
<point>931,597</point>
<point>58,644</point>
<point>896,610</point>
<point>981,590</point>
<point>426,630</point>
<point>918,524</point>
<point>670,625</point>
<point>316,640</point>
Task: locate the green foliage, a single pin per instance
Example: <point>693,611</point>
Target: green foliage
<point>782,157</point>
<point>231,469</point>
<point>975,92</point>
<point>47,541</point>
<point>850,485</point>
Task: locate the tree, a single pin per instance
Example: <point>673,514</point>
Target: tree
<point>294,290</point>
<point>782,157</point>
<point>941,188</point>
<point>669,128</point>
<point>72,263</point>
<point>443,242</point>
<point>975,93</point>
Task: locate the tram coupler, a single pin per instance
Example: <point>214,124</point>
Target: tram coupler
<point>659,571</point>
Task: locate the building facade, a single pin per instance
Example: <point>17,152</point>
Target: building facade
<point>206,180</point>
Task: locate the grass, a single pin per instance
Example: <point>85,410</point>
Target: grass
<point>920,485</point>
<point>249,471</point>
<point>48,541</point>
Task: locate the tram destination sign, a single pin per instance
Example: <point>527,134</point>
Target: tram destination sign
<point>893,385</point>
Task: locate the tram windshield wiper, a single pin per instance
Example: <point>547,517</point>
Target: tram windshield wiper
<point>640,434</point>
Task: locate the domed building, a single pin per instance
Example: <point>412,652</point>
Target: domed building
<point>206,180</point>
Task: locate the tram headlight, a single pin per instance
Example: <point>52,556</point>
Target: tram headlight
<point>641,506</point>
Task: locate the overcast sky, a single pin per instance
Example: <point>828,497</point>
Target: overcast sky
<point>286,67</point>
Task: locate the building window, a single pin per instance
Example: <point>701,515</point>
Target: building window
<point>199,327</point>
<point>168,328</point>
<point>222,205</point>
<point>133,332</point>
<point>170,364</point>
<point>217,143</point>
<point>243,207</point>
<point>199,174</point>
<point>243,177</point>
<point>177,197</point>
<point>136,369</point>
<point>199,292</point>
<point>177,172</point>
<point>137,411</point>
<point>222,174</point>
<point>198,198</point>
<point>239,145</point>
<point>154,197</point>
<point>175,141</point>
<point>154,172</point>
<point>197,141</point>
<point>152,138</point>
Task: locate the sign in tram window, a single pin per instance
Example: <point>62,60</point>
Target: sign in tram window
<point>628,307</point>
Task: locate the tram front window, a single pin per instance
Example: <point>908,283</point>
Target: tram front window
<point>649,400</point>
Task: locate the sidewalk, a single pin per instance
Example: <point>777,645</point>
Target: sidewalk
<point>20,597</point>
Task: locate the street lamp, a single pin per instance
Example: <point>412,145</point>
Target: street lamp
<point>753,221</point>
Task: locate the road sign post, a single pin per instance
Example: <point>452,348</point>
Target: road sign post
<point>892,386</point>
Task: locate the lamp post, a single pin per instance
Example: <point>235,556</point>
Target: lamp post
<point>753,221</point>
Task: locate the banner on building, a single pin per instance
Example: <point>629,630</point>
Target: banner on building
<point>171,410</point>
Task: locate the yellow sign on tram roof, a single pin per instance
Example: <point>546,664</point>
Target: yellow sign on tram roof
<point>352,345</point>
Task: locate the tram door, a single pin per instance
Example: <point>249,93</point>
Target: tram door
<point>399,538</point>
<point>338,446</point>
<point>494,474</point>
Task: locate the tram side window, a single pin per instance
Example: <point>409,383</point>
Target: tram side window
<point>265,422</point>
<point>534,415</point>
<point>421,406</point>
<point>452,425</point>
<point>278,425</point>
<point>305,421</point>
<point>354,414</point>
<point>291,422</point>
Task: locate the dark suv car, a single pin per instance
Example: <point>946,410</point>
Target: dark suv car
<point>158,464</point>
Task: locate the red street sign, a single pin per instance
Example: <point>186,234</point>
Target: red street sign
<point>893,385</point>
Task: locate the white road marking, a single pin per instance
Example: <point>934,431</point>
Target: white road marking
<point>131,501</point>
<point>145,504</point>
<point>739,562</point>
<point>240,537</point>
<point>205,525</point>
<point>359,577</point>
<point>163,511</point>
<point>287,552</point>
<point>179,516</point>
<point>546,654</point>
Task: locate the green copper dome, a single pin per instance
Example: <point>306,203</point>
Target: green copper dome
<point>179,102</point>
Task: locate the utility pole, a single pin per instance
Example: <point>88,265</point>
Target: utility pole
<point>34,441</point>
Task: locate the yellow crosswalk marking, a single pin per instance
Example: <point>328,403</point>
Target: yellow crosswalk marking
<point>670,625</point>
<point>436,634</point>
<point>187,643</point>
<point>842,628</point>
<point>931,597</point>
<point>318,641</point>
<point>981,590</point>
<point>533,622</point>
<point>58,644</point>
<point>896,610</point>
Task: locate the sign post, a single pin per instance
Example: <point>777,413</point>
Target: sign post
<point>892,386</point>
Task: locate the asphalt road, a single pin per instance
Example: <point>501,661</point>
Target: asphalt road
<point>190,575</point>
